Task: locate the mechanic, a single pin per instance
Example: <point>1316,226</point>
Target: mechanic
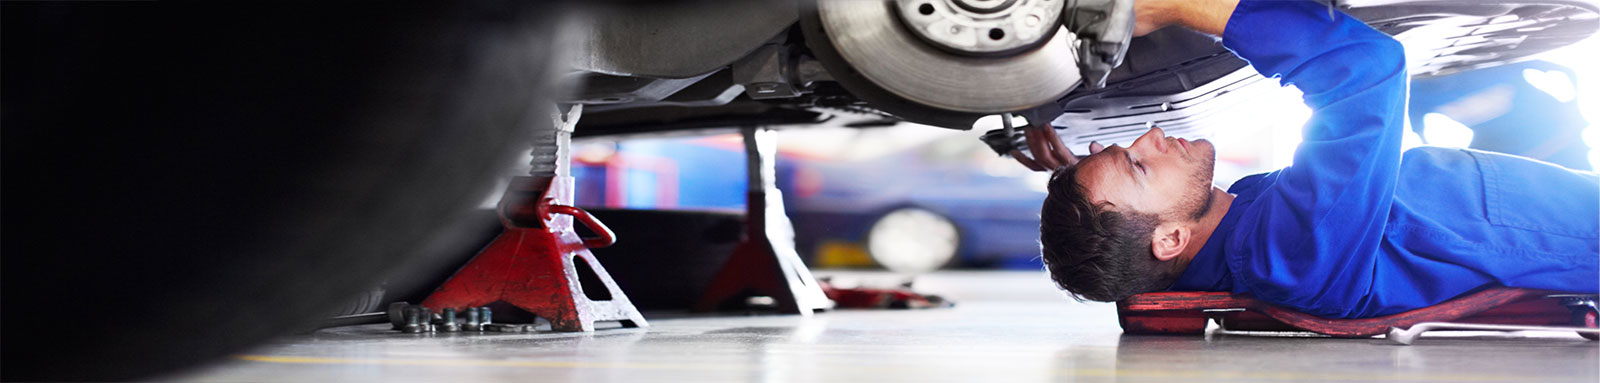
<point>1351,230</point>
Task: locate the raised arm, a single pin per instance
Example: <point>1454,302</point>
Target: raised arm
<point>1316,229</point>
<point>1207,16</point>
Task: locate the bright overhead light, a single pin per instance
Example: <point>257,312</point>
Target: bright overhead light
<point>1441,130</point>
<point>1555,83</point>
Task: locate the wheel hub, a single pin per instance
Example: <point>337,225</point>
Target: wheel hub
<point>981,27</point>
<point>906,48</point>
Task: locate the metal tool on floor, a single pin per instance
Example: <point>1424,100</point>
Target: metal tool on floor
<point>539,264</point>
<point>398,315</point>
<point>765,263</point>
<point>882,298</point>
<point>1189,312</point>
<point>418,319</point>
<point>1408,336</point>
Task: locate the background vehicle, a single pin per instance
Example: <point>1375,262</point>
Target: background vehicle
<point>908,198</point>
<point>943,201</point>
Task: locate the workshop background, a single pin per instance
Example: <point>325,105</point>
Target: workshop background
<point>688,191</point>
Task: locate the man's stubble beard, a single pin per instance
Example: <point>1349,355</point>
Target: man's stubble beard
<point>1197,199</point>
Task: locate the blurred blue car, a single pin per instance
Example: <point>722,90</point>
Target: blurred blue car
<point>910,199</point>
<point>944,200</point>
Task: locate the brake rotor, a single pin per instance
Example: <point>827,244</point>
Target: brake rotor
<point>976,56</point>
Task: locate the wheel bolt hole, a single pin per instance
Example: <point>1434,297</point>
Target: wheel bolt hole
<point>996,34</point>
<point>925,8</point>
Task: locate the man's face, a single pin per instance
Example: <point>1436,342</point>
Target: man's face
<point>1170,177</point>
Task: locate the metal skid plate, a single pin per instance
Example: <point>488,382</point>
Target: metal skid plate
<point>1446,36</point>
<point>1182,102</point>
<point>875,42</point>
<point>1441,37</point>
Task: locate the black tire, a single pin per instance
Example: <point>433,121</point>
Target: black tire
<point>372,300</point>
<point>186,180</point>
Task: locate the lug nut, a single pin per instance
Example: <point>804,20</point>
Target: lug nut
<point>432,317</point>
<point>449,317</point>
<point>425,316</point>
<point>397,315</point>
<point>472,320</point>
<point>412,325</point>
<point>485,317</point>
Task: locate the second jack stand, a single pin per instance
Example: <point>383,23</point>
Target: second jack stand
<point>765,262</point>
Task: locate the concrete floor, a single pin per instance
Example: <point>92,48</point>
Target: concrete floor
<point>1007,327</point>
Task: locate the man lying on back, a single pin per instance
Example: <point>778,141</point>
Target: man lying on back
<point>1353,229</point>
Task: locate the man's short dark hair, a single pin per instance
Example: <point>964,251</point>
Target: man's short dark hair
<point>1093,252</point>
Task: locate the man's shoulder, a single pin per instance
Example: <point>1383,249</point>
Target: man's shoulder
<point>1251,184</point>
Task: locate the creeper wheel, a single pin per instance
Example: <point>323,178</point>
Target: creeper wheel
<point>1584,314</point>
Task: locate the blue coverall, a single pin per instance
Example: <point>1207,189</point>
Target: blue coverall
<point>1354,230</point>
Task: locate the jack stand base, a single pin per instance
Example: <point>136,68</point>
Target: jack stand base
<point>540,265</point>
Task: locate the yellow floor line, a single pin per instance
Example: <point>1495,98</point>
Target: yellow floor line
<point>445,362</point>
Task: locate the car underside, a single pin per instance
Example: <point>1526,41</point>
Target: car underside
<point>781,63</point>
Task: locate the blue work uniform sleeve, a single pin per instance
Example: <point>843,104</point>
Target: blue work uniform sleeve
<point>1310,239</point>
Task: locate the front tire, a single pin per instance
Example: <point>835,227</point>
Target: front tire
<point>186,180</point>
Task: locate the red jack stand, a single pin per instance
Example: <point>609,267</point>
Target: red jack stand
<point>539,264</point>
<point>765,263</point>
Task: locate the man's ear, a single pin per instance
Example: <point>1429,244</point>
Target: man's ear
<point>1169,240</point>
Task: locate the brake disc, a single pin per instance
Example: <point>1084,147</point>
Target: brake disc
<point>977,56</point>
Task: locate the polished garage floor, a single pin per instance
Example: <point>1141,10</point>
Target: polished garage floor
<point>1007,327</point>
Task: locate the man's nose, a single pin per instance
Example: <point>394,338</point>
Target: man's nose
<point>1155,139</point>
